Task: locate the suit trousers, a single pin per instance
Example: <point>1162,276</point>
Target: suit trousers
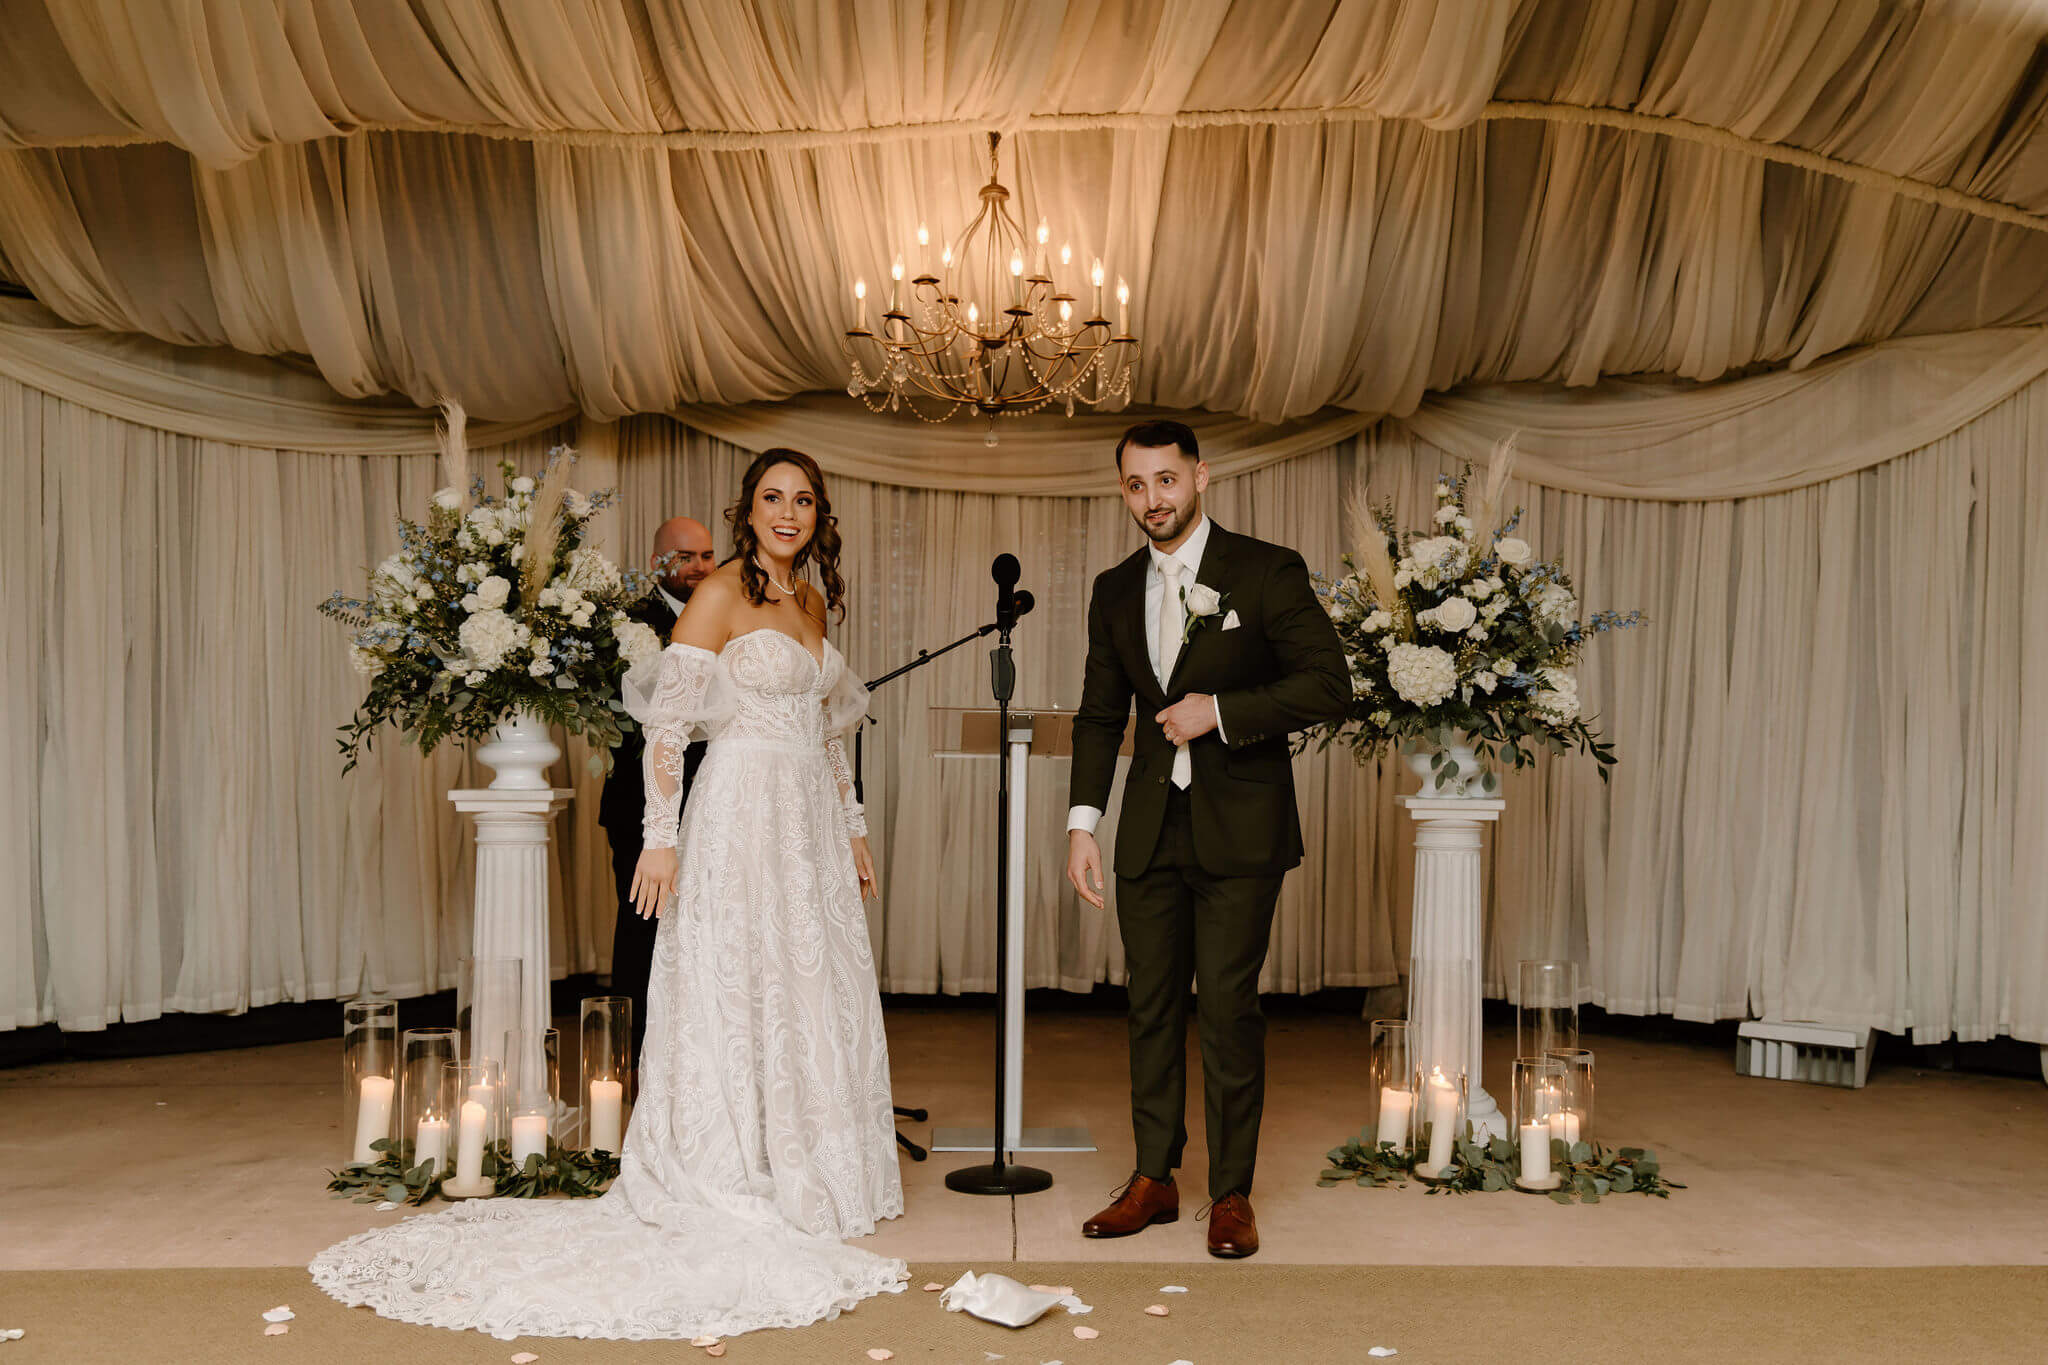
<point>1179,925</point>
<point>632,944</point>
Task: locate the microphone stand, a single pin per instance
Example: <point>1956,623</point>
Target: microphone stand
<point>924,656</point>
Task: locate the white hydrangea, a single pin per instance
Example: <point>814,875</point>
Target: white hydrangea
<point>1422,675</point>
<point>1504,667</point>
<point>1447,514</point>
<point>1453,614</point>
<point>1558,699</point>
<point>447,499</point>
<point>1554,603</point>
<point>487,637</point>
<point>367,662</point>
<point>397,576</point>
<point>1376,622</point>
<point>522,484</point>
<point>637,641</point>
<point>1485,680</point>
<point>1381,718</point>
<point>574,503</point>
<point>540,668</point>
<point>589,571</point>
<point>475,678</point>
<point>1434,560</point>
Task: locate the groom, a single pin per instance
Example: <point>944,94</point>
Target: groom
<point>1220,641</point>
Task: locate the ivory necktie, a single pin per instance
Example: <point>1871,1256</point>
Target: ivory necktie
<point>1172,620</point>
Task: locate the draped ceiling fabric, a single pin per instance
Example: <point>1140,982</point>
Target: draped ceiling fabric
<point>1763,288</point>
<point>626,205</point>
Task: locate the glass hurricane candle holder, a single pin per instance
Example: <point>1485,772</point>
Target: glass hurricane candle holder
<point>1390,1098</point>
<point>489,993</point>
<point>532,1093</point>
<point>426,1115</point>
<point>606,1070</point>
<point>1538,1094</point>
<point>369,1075</point>
<point>478,1087</point>
<point>1546,1007</point>
<point>1439,1120</point>
<point>1576,1112</point>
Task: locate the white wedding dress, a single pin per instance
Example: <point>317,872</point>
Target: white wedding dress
<point>763,1133</point>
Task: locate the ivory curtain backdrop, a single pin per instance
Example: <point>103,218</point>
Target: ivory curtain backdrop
<point>1823,808</point>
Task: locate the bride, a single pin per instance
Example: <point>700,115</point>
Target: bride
<point>763,1132</point>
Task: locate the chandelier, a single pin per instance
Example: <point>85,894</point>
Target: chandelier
<point>982,334</point>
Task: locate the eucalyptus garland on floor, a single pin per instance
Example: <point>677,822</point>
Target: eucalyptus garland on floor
<point>564,1170</point>
<point>1589,1171</point>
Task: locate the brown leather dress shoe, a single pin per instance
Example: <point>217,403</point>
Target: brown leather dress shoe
<point>1142,1202</point>
<point>1233,1231</point>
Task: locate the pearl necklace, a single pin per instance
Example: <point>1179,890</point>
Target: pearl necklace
<point>787,591</point>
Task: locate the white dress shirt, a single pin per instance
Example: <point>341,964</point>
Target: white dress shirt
<point>675,604</point>
<point>1086,818</point>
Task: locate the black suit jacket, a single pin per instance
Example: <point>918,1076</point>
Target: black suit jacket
<point>624,801</point>
<point>1281,669</point>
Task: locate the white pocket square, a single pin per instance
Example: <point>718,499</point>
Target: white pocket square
<point>1230,622</point>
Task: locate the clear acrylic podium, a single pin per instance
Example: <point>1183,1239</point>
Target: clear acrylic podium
<point>972,732</point>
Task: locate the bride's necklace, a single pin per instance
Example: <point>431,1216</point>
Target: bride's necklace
<point>787,590</point>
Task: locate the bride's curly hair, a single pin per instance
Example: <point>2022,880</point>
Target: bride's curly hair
<point>822,548</point>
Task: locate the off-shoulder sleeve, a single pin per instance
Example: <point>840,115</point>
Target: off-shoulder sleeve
<point>677,696</point>
<point>846,705</point>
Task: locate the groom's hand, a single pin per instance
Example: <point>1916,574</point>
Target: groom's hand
<point>1189,718</point>
<point>1084,866</point>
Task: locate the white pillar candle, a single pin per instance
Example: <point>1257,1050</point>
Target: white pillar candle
<point>431,1144</point>
<point>373,1116</point>
<point>1443,1119</point>
<point>469,1143</point>
<point>607,1102</point>
<point>1535,1151</point>
<point>1395,1108</point>
<point>1564,1124</point>
<point>529,1137</point>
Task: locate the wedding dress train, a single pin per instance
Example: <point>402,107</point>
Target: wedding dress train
<point>763,1133</point>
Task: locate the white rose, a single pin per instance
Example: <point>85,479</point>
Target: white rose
<point>1422,675</point>
<point>487,637</point>
<point>1452,614</point>
<point>583,615</point>
<point>494,536</point>
<point>522,484</point>
<point>518,553</point>
<point>493,592</point>
<point>1513,550</point>
<point>1403,577</point>
<point>1479,589</point>
<point>636,640</point>
<point>1378,621</point>
<point>540,645</point>
<point>1447,514</point>
<point>1476,633</point>
<point>447,499</point>
<point>1202,600</point>
<point>1464,525</point>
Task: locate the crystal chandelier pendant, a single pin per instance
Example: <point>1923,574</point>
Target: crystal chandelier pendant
<point>992,330</point>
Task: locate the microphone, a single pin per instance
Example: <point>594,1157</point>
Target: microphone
<point>1004,571</point>
<point>1021,602</point>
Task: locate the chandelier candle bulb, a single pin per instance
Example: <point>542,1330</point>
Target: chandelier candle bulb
<point>924,250</point>
<point>373,1115</point>
<point>860,305</point>
<point>1123,308</point>
<point>1097,277</point>
<point>895,284</point>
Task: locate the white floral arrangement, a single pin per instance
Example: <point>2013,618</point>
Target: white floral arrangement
<point>1461,631</point>
<point>494,605</point>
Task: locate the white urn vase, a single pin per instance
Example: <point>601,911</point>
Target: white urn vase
<point>1457,775</point>
<point>518,753</point>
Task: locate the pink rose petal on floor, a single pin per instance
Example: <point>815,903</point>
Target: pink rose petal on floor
<point>1085,1334</point>
<point>1057,1290</point>
<point>704,1341</point>
<point>1157,1310</point>
<point>1173,1289</point>
<point>277,1329</point>
<point>934,1287</point>
<point>877,1353</point>
<point>281,1313</point>
<point>715,1351</point>
<point>524,1358</point>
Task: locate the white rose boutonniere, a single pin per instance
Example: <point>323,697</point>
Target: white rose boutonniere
<point>1202,603</point>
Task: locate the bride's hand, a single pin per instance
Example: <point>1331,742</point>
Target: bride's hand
<point>864,864</point>
<point>654,880</point>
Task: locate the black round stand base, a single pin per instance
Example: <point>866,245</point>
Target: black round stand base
<point>998,1179</point>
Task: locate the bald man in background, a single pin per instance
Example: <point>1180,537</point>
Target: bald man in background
<point>680,559</point>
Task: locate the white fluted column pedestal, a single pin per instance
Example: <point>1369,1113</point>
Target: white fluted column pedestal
<point>1449,902</point>
<point>513,827</point>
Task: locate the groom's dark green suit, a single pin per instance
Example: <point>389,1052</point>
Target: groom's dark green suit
<point>1198,871</point>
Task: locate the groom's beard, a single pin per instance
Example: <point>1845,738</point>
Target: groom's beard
<point>1166,530</point>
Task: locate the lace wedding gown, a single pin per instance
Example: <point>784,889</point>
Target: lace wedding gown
<point>763,1132</point>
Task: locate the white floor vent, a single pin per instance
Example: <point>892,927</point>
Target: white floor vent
<point>1783,1051</point>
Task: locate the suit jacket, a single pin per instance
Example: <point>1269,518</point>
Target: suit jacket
<point>1281,669</point>
<point>624,801</point>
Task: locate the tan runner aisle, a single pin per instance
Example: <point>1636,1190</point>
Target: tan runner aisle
<point>1229,1316</point>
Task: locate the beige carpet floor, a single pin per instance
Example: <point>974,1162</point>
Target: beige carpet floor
<point>1231,1313</point>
